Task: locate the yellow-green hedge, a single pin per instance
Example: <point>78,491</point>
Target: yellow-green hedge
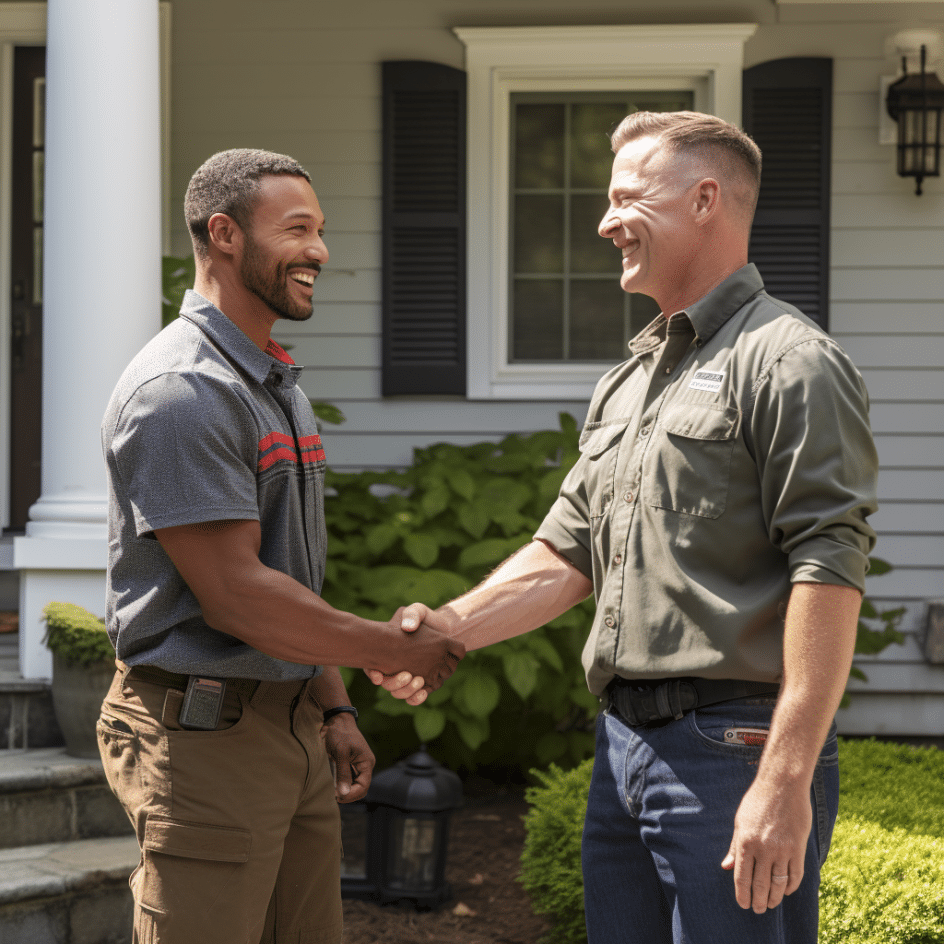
<point>883,882</point>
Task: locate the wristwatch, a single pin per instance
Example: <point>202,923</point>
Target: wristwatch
<point>340,710</point>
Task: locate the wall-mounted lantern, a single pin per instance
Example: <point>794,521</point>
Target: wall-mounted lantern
<point>396,838</point>
<point>915,102</point>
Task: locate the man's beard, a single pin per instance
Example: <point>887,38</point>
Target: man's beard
<point>270,284</point>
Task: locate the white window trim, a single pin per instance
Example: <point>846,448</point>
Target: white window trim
<point>501,61</point>
<point>24,24</point>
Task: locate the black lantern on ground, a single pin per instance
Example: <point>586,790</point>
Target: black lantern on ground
<point>395,840</point>
<point>915,102</point>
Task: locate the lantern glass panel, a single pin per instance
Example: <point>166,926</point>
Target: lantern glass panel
<point>414,852</point>
<point>354,826</point>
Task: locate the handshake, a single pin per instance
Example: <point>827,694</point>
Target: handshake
<point>429,651</point>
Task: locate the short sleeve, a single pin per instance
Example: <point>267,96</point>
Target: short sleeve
<point>185,450</point>
<point>817,463</point>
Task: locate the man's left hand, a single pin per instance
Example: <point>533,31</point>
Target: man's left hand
<point>353,759</point>
<point>771,830</point>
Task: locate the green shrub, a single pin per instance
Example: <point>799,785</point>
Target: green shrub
<point>429,534</point>
<point>76,635</point>
<point>883,882</point>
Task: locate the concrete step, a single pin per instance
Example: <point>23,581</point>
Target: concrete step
<point>46,796</point>
<point>67,893</point>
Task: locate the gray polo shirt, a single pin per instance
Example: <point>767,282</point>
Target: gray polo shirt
<point>730,456</point>
<point>204,426</point>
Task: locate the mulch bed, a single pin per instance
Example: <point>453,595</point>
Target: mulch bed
<point>488,904</point>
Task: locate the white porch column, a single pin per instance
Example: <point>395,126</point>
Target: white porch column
<point>101,285</point>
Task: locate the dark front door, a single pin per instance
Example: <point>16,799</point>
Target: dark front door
<point>26,344</point>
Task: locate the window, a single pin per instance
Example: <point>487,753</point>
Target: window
<point>564,300</point>
<point>541,95</point>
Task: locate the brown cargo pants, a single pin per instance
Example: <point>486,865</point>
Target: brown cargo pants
<point>238,827</point>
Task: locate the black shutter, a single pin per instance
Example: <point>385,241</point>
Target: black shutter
<point>788,112</point>
<point>424,222</point>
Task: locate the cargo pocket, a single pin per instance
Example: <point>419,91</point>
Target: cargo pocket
<point>184,861</point>
<point>688,469</point>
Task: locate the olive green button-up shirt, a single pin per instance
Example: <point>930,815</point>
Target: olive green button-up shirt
<point>729,457</point>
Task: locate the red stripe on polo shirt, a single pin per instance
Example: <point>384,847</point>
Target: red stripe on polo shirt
<point>274,438</point>
<point>312,450</point>
<point>281,452</point>
<point>277,351</point>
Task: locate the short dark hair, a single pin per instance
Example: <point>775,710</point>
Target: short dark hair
<point>708,137</point>
<point>228,182</point>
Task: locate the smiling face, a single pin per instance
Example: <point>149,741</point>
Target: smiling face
<point>284,247</point>
<point>650,218</point>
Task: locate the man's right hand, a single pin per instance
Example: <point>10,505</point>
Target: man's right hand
<point>425,657</point>
<point>405,685</point>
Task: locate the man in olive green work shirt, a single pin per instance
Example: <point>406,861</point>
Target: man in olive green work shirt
<point>718,512</point>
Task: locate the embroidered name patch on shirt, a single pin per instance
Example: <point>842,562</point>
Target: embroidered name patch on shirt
<point>709,380</point>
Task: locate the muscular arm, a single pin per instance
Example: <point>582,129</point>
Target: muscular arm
<point>532,587</point>
<point>275,614</point>
<point>774,819</point>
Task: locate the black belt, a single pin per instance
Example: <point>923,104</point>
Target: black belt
<point>642,701</point>
<point>156,676</point>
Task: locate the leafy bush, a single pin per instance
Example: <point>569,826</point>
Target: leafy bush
<point>883,882</point>
<point>429,534</point>
<point>76,635</point>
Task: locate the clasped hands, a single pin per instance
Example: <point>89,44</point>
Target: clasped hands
<point>414,689</point>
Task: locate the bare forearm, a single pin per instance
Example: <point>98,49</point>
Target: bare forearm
<point>819,638</point>
<point>528,590</point>
<point>278,616</point>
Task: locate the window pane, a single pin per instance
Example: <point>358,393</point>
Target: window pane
<point>539,234</point>
<point>590,156</point>
<point>539,146</point>
<point>589,252</point>
<point>538,325</point>
<point>597,321</point>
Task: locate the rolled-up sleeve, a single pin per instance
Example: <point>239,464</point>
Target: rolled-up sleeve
<point>566,527</point>
<point>817,463</point>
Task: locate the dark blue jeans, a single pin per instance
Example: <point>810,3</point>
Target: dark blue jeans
<point>660,818</point>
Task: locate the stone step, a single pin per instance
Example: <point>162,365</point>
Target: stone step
<point>67,893</point>
<point>46,796</point>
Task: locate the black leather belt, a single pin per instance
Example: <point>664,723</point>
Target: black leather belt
<point>643,701</point>
<point>156,676</point>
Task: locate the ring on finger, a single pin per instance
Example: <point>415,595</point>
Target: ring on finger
<point>779,878</point>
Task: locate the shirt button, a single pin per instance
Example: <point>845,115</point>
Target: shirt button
<point>644,431</point>
<point>618,559</point>
<point>628,497</point>
<point>668,370</point>
<point>609,621</point>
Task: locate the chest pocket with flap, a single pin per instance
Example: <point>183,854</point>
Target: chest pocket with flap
<point>688,467</point>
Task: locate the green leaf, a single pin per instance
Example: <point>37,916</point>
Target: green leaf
<point>388,705</point>
<point>380,537</point>
<point>327,412</point>
<point>462,484</point>
<point>434,500</point>
<point>474,519</point>
<point>486,553</point>
<point>428,723</point>
<point>473,731</point>
<point>421,549</point>
<point>521,669</point>
<point>878,567</point>
<point>544,648</point>
<point>479,693</point>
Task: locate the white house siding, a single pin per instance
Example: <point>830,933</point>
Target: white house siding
<point>303,77</point>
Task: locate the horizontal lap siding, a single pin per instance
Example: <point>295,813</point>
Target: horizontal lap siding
<point>308,84</point>
<point>887,303</point>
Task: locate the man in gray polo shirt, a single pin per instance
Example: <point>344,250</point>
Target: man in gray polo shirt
<point>718,512</point>
<point>227,711</point>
